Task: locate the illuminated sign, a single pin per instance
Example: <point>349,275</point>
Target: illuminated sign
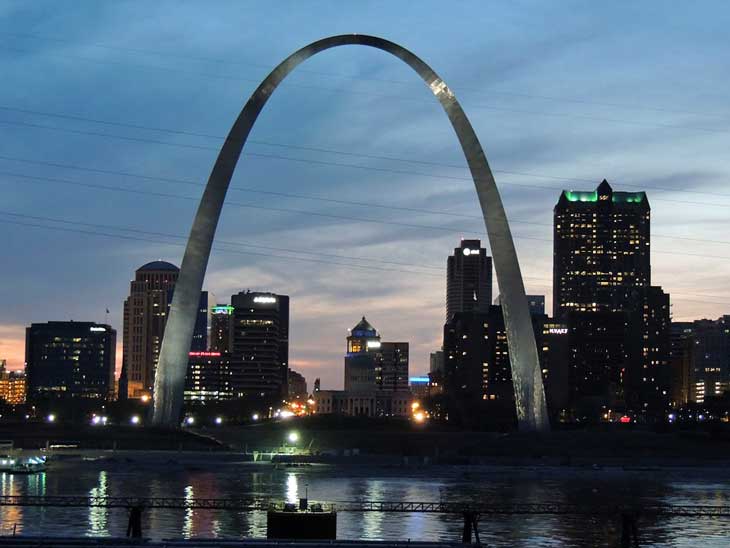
<point>557,330</point>
<point>100,329</point>
<point>263,299</point>
<point>373,344</point>
<point>419,380</point>
<point>204,354</point>
<point>468,252</point>
<point>223,310</point>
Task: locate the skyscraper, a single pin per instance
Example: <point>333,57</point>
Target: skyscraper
<point>393,374</point>
<point>710,359</point>
<point>362,358</point>
<point>261,343</point>
<point>468,279</point>
<point>70,360</point>
<point>12,385</point>
<point>601,245</point>
<point>221,331</point>
<point>680,361</point>
<point>619,334</point>
<point>145,315</point>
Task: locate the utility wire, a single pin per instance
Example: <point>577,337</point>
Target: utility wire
<point>315,213</point>
<point>237,188</point>
<point>591,118</point>
<point>309,161</point>
<point>358,78</point>
<point>326,150</point>
<point>226,250</point>
<point>218,241</point>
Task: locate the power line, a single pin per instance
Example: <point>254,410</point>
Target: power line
<point>326,150</point>
<point>314,213</point>
<point>225,250</point>
<point>219,241</point>
<point>359,78</point>
<point>388,97</point>
<point>318,162</point>
<point>310,197</point>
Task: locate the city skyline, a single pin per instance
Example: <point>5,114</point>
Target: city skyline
<point>327,298</point>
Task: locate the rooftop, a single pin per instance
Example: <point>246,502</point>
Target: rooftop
<point>158,266</point>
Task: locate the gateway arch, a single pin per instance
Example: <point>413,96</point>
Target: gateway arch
<point>172,365</point>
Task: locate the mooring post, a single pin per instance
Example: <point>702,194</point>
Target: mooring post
<point>134,527</point>
<point>466,535</point>
<point>470,524</point>
<point>629,531</point>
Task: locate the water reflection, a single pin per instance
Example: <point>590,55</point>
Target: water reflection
<point>491,485</point>
<point>372,521</point>
<point>98,514</point>
<point>187,531</point>
<point>291,488</point>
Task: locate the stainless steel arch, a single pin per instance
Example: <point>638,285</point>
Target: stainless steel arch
<point>526,375</point>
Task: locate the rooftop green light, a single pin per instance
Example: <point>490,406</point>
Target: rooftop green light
<point>577,196</point>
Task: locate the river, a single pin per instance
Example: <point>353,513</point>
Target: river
<point>487,484</point>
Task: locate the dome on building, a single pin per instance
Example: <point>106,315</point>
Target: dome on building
<point>158,266</point>
<point>363,327</point>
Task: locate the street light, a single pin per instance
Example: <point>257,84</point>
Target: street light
<point>219,420</point>
<point>51,418</point>
<point>293,437</point>
<point>189,421</point>
<point>255,416</point>
<point>134,419</point>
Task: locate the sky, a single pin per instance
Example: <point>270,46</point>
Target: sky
<point>352,189</point>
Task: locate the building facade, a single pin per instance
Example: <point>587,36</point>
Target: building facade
<point>210,377</point>
<point>12,385</point>
<point>600,247</point>
<point>261,342</point>
<point>221,330</point>
<point>375,377</point>
<point>710,359</point>
<point>468,279</point>
<point>680,360</point>
<point>363,359</point>
<point>70,360</point>
<point>619,324</point>
<point>297,385</point>
<point>145,315</point>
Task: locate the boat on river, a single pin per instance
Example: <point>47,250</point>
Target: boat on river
<point>22,465</point>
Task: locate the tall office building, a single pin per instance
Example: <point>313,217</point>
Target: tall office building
<point>376,377</point>
<point>680,361</point>
<point>601,245</point>
<point>297,385</point>
<point>477,364</point>
<point>363,357</point>
<point>261,343</point>
<point>710,374</point>
<point>145,315</point>
<point>393,373</point>
<point>468,279</point>
<point>12,385</point>
<point>221,331</point>
<point>619,326</point>
<point>70,360</point>
<point>210,377</point>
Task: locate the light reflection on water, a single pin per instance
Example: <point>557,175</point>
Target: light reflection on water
<point>485,485</point>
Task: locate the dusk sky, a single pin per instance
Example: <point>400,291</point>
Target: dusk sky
<point>352,189</point>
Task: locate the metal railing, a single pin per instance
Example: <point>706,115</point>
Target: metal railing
<point>251,504</point>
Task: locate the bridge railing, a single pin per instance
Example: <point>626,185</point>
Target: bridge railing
<point>436,507</point>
